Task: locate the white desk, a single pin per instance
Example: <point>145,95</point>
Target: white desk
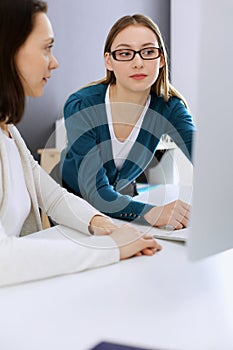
<point>160,302</point>
<point>162,194</point>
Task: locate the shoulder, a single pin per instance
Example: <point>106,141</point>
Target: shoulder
<point>169,109</point>
<point>20,143</point>
<point>92,91</point>
<point>158,103</point>
<point>14,132</point>
<point>86,97</point>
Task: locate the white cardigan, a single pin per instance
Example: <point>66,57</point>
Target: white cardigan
<point>29,259</point>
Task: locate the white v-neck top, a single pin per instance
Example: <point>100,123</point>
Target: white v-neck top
<point>120,149</point>
<point>19,204</point>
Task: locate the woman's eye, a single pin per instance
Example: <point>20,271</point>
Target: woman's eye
<point>149,52</point>
<point>125,53</point>
<point>49,47</point>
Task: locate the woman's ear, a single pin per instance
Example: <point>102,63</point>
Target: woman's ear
<point>107,60</point>
<point>162,61</point>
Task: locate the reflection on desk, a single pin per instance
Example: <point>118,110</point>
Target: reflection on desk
<point>163,302</point>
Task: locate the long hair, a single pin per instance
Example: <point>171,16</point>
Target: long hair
<point>16,23</point>
<point>162,86</point>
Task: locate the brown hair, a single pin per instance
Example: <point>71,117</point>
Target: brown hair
<point>16,23</point>
<point>162,86</point>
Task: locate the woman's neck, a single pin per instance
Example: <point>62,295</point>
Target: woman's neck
<point>126,109</point>
<point>4,128</point>
<point>118,94</point>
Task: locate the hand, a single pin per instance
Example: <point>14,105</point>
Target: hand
<point>101,225</point>
<point>132,242</point>
<point>175,214</point>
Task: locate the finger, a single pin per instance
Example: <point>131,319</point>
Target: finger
<point>138,254</point>
<point>181,216</point>
<point>152,243</point>
<point>183,220</point>
<point>182,208</point>
<point>178,226</point>
<point>182,211</point>
<point>185,213</point>
<point>158,246</point>
<point>149,251</point>
<point>185,205</point>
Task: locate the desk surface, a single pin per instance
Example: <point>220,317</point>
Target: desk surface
<point>161,302</point>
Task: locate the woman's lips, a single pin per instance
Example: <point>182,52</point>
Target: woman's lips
<point>138,76</point>
<point>45,79</point>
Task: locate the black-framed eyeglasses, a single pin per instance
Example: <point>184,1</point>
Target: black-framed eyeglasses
<point>147,53</point>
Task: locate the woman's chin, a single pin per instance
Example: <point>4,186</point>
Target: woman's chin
<point>35,93</point>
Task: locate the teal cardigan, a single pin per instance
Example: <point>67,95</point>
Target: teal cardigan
<point>88,167</point>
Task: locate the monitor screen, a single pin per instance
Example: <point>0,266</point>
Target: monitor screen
<point>211,229</point>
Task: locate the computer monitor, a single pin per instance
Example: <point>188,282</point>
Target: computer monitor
<point>211,228</point>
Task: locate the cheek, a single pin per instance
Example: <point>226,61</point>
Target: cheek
<point>19,63</point>
<point>121,70</point>
<point>26,64</point>
<point>155,68</point>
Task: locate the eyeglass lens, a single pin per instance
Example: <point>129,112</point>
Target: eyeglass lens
<point>148,53</point>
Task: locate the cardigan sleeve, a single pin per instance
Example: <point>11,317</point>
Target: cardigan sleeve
<point>28,259</point>
<point>63,207</point>
<point>181,127</point>
<point>83,168</point>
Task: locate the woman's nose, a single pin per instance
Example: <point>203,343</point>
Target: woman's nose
<point>137,61</point>
<point>53,63</point>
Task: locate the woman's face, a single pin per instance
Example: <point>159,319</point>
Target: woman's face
<point>137,75</point>
<point>34,59</point>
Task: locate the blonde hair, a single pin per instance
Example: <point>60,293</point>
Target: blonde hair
<point>162,86</point>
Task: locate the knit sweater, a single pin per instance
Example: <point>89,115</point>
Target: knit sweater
<point>88,166</point>
<point>24,259</point>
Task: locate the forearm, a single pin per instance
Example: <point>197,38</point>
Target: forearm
<point>62,206</point>
<point>101,225</point>
<point>28,259</point>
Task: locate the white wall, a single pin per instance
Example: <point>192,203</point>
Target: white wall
<point>185,47</point>
<point>80,28</point>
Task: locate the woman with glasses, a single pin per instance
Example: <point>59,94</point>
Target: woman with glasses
<point>114,125</point>
<point>26,63</point>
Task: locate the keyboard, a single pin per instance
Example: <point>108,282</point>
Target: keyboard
<point>161,233</point>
